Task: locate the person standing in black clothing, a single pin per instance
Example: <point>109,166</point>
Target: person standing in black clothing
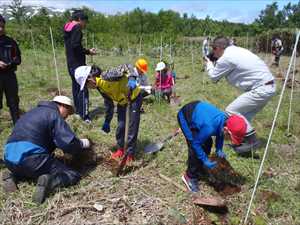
<point>10,58</point>
<point>76,56</point>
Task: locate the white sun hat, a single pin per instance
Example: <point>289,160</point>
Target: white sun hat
<point>63,100</point>
<point>81,74</point>
<point>160,66</point>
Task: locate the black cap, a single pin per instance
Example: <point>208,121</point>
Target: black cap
<point>79,14</point>
<point>2,19</point>
<point>221,42</point>
<point>95,71</point>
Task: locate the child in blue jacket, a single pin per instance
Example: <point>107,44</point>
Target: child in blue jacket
<point>199,121</point>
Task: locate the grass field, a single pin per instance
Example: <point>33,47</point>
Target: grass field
<point>142,197</point>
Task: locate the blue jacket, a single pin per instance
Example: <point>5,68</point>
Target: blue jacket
<point>206,121</point>
<point>44,127</point>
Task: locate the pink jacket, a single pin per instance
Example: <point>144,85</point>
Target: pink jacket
<point>164,80</point>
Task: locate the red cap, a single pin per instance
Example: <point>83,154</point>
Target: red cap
<point>236,127</point>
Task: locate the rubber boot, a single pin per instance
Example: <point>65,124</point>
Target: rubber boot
<point>43,188</point>
<point>9,182</point>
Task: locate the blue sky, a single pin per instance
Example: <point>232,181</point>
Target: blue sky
<point>233,10</point>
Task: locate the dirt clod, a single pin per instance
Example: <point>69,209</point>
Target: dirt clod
<point>224,179</point>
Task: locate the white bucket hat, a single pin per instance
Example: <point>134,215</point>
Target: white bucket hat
<point>160,66</point>
<point>63,100</point>
<point>81,74</point>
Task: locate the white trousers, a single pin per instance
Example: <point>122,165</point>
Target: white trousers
<point>251,102</point>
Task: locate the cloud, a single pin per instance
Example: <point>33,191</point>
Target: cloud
<point>234,15</point>
<point>61,4</point>
<point>186,7</point>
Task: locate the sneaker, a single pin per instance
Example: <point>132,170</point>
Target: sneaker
<point>88,121</point>
<point>42,189</point>
<point>8,180</point>
<point>118,154</point>
<point>190,183</point>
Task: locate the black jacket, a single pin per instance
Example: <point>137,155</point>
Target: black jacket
<point>9,53</point>
<point>45,127</point>
<point>74,51</point>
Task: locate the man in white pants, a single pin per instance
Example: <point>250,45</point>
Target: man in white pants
<point>247,72</point>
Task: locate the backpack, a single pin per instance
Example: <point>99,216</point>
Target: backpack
<point>115,74</point>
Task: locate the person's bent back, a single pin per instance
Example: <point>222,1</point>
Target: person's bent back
<point>45,127</point>
<point>28,152</point>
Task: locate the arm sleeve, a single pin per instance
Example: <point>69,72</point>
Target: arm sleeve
<point>194,142</point>
<point>223,67</point>
<point>76,41</point>
<point>109,108</point>
<point>108,104</point>
<point>16,54</point>
<point>64,138</point>
<point>219,141</point>
<point>200,139</point>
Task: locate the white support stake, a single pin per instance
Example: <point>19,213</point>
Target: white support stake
<point>291,97</point>
<point>271,132</point>
<point>140,49</point>
<point>192,53</point>
<point>35,54</point>
<point>55,63</point>
<point>161,48</point>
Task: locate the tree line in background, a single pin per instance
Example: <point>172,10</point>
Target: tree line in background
<point>131,28</point>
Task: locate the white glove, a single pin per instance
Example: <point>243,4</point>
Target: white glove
<point>146,88</point>
<point>85,143</point>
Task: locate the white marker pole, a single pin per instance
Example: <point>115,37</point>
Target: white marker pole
<point>55,63</point>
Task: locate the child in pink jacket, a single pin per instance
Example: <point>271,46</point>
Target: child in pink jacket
<point>164,81</point>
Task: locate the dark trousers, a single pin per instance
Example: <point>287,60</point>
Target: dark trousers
<point>80,98</point>
<point>194,165</point>
<point>36,165</point>
<point>134,123</point>
<point>9,86</point>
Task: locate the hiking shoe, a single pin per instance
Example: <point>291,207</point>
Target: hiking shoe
<point>118,154</point>
<point>190,183</point>
<point>42,188</point>
<point>8,180</point>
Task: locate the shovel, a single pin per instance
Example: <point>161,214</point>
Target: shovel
<point>155,147</point>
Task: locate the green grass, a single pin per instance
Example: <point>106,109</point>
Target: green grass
<point>168,205</point>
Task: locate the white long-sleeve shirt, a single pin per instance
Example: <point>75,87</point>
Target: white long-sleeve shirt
<point>241,68</point>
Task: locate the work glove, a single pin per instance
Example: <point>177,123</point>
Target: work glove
<point>131,84</point>
<point>85,143</point>
<point>209,164</point>
<point>106,127</point>
<point>220,153</point>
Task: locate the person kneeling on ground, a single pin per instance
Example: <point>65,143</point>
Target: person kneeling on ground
<point>28,151</point>
<point>199,121</point>
<point>119,85</point>
<point>164,81</point>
